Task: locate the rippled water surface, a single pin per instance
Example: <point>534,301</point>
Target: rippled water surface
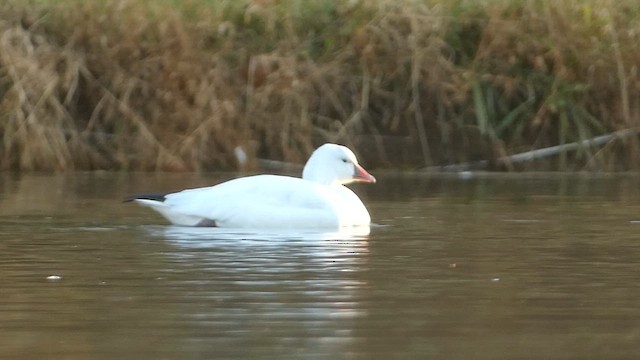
<point>457,267</point>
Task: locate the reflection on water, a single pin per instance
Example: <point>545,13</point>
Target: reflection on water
<point>221,237</point>
<point>268,289</point>
<point>490,267</point>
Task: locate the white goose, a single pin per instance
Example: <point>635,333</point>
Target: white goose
<point>317,200</point>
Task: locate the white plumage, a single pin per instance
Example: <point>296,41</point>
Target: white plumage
<point>317,200</point>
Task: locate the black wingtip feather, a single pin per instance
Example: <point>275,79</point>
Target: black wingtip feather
<point>156,197</point>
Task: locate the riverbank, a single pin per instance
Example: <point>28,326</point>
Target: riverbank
<point>165,85</point>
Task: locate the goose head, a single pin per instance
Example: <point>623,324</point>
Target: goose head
<point>332,164</point>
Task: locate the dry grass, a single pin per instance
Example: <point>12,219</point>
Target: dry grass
<point>168,85</point>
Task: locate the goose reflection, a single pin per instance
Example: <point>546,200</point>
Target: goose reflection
<point>275,288</point>
<point>204,237</point>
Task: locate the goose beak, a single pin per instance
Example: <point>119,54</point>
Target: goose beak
<point>361,175</point>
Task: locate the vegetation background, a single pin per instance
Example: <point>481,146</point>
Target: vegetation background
<point>179,85</point>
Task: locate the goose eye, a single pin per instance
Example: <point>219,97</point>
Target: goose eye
<point>345,160</point>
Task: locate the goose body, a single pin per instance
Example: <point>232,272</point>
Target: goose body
<point>317,200</point>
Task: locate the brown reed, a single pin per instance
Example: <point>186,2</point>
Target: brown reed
<point>168,85</point>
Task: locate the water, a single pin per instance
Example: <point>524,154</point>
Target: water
<point>459,267</point>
